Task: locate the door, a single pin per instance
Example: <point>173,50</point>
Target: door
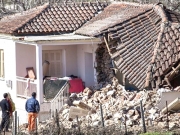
<point>54,57</point>
<point>89,70</point>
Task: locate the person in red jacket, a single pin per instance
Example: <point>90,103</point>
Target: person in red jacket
<point>10,111</point>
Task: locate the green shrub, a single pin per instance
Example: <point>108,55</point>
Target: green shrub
<point>157,133</point>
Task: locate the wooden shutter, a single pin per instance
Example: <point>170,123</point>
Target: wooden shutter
<point>55,59</point>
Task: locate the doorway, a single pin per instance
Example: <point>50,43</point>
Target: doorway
<point>89,70</point>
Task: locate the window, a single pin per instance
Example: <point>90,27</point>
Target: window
<point>1,63</point>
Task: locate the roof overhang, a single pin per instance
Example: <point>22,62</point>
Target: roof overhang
<point>64,39</point>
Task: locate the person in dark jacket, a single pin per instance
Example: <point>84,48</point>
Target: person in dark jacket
<point>33,108</point>
<point>5,107</point>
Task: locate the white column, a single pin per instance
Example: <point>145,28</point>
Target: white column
<point>39,73</point>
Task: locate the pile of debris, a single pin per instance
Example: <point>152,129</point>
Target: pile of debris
<point>119,107</point>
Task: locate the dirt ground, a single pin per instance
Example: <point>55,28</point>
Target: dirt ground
<point>6,133</point>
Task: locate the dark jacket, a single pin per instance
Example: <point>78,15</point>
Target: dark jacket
<point>32,105</point>
<point>4,106</point>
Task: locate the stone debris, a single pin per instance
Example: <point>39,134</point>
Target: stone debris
<point>174,106</point>
<point>119,107</point>
<point>84,106</point>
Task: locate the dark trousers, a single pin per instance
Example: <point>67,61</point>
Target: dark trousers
<point>5,121</point>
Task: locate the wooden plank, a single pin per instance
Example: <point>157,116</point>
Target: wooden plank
<point>107,46</point>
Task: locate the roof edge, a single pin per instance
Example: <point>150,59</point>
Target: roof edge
<point>160,11</point>
<point>132,3</point>
<point>46,5</point>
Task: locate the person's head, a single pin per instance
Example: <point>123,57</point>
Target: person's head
<point>9,95</point>
<point>34,94</point>
<point>5,95</point>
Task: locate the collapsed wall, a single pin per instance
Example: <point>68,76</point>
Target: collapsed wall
<point>104,66</point>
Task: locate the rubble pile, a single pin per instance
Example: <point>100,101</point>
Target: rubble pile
<point>119,106</point>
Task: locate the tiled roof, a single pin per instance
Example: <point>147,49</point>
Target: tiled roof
<point>113,15</point>
<point>12,23</point>
<point>173,16</point>
<point>50,19</point>
<point>147,40</point>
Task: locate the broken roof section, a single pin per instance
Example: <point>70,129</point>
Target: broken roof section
<point>50,19</point>
<point>147,40</point>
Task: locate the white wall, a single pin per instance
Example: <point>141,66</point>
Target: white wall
<point>9,67</point>
<point>74,58</point>
<point>81,49</point>
<point>70,53</point>
<point>89,69</point>
<point>25,57</point>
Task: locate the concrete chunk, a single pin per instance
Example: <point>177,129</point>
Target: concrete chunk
<point>173,106</point>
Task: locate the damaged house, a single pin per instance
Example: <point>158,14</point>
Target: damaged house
<point>139,44</point>
<point>43,35</point>
<point>142,40</point>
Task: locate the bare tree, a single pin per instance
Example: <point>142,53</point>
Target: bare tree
<point>22,5</point>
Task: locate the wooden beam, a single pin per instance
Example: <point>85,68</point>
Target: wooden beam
<point>107,46</point>
<point>171,74</point>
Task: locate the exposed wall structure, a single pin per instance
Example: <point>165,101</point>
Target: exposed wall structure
<point>107,70</point>
<point>104,65</point>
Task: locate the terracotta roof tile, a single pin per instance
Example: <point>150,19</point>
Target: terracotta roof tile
<point>112,15</point>
<point>147,40</point>
<point>52,19</point>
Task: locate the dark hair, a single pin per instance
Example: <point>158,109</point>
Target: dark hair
<point>33,94</point>
<point>5,95</point>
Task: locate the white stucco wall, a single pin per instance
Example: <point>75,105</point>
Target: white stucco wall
<point>81,49</point>
<point>25,57</point>
<point>69,57</point>
<point>9,67</point>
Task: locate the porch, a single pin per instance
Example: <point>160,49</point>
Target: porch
<point>66,57</point>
